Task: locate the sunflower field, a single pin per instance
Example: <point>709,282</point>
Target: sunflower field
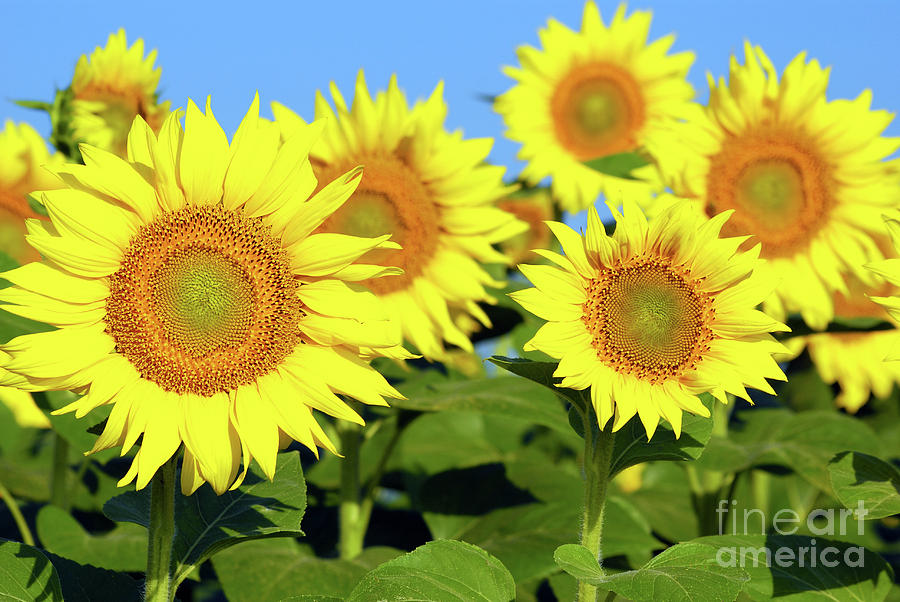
<point>345,355</point>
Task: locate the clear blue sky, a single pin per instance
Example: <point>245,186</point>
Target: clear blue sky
<point>287,50</point>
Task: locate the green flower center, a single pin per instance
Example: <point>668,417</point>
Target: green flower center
<point>204,299</point>
<point>771,189</point>
<point>646,319</point>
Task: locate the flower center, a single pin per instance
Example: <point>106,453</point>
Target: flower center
<point>204,301</point>
<point>647,319</point>
<point>597,110</point>
<point>391,199</point>
<point>779,189</point>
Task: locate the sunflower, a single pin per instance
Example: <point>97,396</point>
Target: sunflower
<point>109,89</point>
<point>653,316</point>
<point>191,294</point>
<point>429,188</point>
<point>533,207</point>
<point>593,93</point>
<point>806,177</point>
<point>23,153</point>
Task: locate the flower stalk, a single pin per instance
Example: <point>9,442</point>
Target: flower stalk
<point>158,585</point>
<point>598,448</point>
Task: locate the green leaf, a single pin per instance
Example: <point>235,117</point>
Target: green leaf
<point>82,583</point>
<point>39,105</point>
<point>26,574</point>
<point>434,443</point>
<point>631,444</point>
<point>578,561</point>
<point>36,205</point>
<point>774,565</point>
<point>439,570</point>
<point>860,478</point>
<point>502,396</point>
<point>804,442</point>
<point>206,523</point>
<point>278,568</point>
<point>122,549</point>
<point>684,572</point>
<point>619,165</point>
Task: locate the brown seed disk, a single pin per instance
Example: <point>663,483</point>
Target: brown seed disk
<point>648,319</point>
<point>204,301</point>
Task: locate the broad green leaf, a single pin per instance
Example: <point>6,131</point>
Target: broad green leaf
<point>664,500</point>
<point>858,477</point>
<point>439,570</point>
<point>502,396</point>
<point>524,537</point>
<point>442,441</point>
<point>684,572</point>
<point>631,444</point>
<point>26,574</point>
<point>804,442</point>
<point>278,568</point>
<point>122,549</point>
<point>619,165</point>
<point>206,523</point>
<point>842,571</point>
<point>81,583</point>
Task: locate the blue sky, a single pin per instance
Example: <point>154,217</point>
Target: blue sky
<point>288,50</point>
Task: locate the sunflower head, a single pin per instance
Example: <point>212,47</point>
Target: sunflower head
<point>807,179</point>
<point>431,189</point>
<point>599,91</point>
<point>653,316</point>
<point>193,295</point>
<point>534,207</point>
<point>111,87</point>
<point>23,155</point>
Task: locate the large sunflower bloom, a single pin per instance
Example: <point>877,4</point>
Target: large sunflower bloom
<point>191,294</point>
<point>431,190</point>
<point>806,178</point>
<point>653,316</point>
<point>597,92</point>
<point>23,155</point>
<point>110,88</point>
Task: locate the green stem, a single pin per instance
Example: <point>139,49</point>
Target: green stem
<point>13,505</point>
<point>598,447</point>
<point>368,500</point>
<point>352,529</point>
<point>59,493</point>
<point>158,586</point>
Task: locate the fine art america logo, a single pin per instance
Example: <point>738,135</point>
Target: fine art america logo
<point>820,523</point>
